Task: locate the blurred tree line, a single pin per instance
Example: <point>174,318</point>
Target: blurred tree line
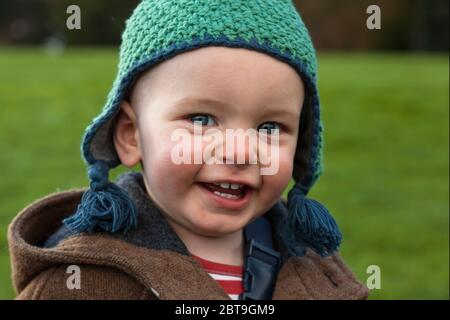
<point>333,24</point>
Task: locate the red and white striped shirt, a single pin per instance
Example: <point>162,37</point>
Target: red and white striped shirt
<point>228,276</point>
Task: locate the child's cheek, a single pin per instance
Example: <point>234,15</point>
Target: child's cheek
<point>166,175</point>
<point>277,183</point>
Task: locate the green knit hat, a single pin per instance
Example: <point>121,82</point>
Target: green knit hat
<point>160,29</point>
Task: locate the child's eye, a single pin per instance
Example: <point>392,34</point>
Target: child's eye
<point>269,127</point>
<point>202,119</point>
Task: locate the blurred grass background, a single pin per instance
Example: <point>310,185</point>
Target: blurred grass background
<point>386,177</point>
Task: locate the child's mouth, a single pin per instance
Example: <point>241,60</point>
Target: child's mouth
<point>228,195</point>
<point>226,190</point>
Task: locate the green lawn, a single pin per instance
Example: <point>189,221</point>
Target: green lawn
<point>386,177</point>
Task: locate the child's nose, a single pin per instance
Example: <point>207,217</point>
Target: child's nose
<point>240,152</point>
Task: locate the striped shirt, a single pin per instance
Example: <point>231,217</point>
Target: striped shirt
<point>229,277</point>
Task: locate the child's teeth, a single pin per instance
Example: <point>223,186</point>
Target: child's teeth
<point>226,195</point>
<point>224,185</point>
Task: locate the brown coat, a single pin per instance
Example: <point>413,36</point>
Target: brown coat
<point>114,268</point>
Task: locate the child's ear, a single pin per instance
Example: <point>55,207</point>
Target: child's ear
<point>126,135</point>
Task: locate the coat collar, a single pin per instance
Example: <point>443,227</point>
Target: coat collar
<point>153,231</point>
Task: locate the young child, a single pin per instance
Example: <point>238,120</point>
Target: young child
<point>195,230</point>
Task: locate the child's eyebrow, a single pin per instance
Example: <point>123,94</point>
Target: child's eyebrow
<point>202,101</point>
<point>264,110</point>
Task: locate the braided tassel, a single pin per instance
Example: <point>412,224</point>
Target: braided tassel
<point>104,205</point>
<point>312,223</point>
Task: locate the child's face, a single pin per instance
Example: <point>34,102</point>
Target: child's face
<point>253,90</point>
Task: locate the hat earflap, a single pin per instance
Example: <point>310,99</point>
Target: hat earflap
<point>104,205</point>
<point>312,223</point>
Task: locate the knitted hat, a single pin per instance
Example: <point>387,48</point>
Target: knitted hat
<point>160,29</point>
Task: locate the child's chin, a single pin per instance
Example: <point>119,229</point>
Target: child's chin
<point>214,230</point>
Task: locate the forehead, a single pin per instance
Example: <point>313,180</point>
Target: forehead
<point>235,75</point>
